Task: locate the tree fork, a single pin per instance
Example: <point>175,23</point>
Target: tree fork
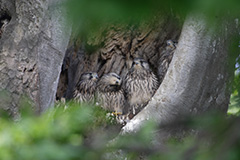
<point>198,76</point>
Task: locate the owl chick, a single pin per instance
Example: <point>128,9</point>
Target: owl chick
<point>166,58</point>
<point>110,94</point>
<point>139,85</point>
<point>85,88</point>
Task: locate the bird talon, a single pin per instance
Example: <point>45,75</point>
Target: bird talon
<point>117,113</point>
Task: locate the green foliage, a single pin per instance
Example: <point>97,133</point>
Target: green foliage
<point>57,134</point>
<point>234,106</point>
<point>234,67</point>
<point>72,132</point>
<point>90,15</point>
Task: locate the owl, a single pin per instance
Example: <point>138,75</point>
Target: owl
<point>139,85</point>
<point>85,89</point>
<point>110,94</point>
<point>166,58</point>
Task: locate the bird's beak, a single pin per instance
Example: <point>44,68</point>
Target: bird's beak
<point>137,65</point>
<point>95,77</point>
<point>118,82</point>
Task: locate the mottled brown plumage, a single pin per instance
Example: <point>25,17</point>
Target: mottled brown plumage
<point>109,93</point>
<point>140,85</point>
<point>166,58</point>
<point>85,89</point>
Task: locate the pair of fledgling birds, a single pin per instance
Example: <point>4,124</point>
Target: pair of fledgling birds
<point>121,96</point>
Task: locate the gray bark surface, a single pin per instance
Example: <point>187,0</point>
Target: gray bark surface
<point>32,48</point>
<point>197,78</point>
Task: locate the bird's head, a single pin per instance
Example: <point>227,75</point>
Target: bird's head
<point>94,76</point>
<point>110,82</point>
<point>114,79</point>
<point>139,63</point>
<point>171,44</point>
<point>89,76</point>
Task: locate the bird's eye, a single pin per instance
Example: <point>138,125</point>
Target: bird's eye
<point>133,64</point>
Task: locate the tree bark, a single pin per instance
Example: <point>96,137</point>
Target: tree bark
<point>32,49</point>
<point>198,76</point>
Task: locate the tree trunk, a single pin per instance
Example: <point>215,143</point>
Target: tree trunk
<point>198,76</point>
<point>32,49</point>
<point>196,81</point>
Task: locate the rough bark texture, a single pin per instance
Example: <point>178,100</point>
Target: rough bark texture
<point>32,48</point>
<point>115,48</point>
<point>197,78</point>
